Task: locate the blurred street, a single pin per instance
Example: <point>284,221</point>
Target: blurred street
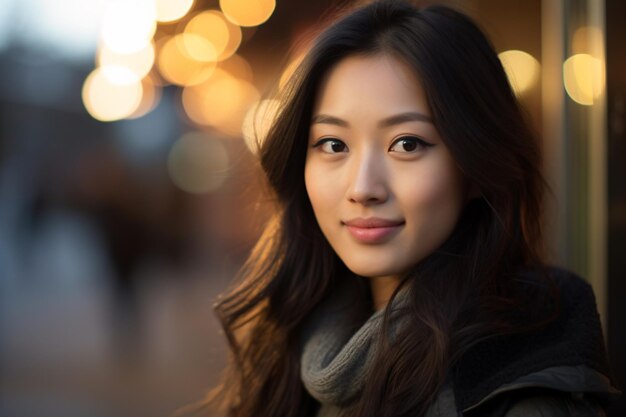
<point>65,355</point>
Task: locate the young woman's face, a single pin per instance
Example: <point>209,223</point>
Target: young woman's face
<point>384,188</point>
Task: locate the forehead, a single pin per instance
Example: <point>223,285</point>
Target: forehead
<point>379,83</point>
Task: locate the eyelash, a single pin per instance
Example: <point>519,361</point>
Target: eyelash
<point>420,142</point>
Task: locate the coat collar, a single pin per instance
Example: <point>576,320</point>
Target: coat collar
<point>572,379</point>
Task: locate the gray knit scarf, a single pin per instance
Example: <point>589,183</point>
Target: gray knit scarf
<point>337,352</point>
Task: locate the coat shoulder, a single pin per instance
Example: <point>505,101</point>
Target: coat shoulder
<point>572,338</point>
<point>555,405</point>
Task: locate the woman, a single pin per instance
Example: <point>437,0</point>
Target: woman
<point>402,274</point>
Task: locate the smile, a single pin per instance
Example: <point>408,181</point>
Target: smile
<point>373,230</point>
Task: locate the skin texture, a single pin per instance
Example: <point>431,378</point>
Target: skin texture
<point>364,169</point>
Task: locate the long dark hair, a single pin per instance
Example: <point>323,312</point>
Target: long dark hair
<point>461,294</point>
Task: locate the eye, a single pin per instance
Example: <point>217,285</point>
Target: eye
<point>409,144</point>
<point>331,145</point>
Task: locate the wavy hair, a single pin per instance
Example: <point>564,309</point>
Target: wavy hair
<point>460,294</point>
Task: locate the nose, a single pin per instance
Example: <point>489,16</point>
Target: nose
<point>367,182</point>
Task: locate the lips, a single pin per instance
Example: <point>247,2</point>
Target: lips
<point>373,230</point>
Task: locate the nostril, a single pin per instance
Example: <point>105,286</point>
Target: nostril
<point>366,198</point>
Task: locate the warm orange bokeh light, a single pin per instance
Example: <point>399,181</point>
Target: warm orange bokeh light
<point>211,36</point>
<point>149,99</point>
<point>521,68</point>
<point>248,12</point>
<point>192,97</point>
<point>139,62</point>
<point>585,39</point>
<point>238,67</point>
<point>234,40</point>
<point>179,68</point>
<point>197,47</point>
<point>172,10</point>
<point>111,93</point>
<point>221,102</point>
<point>584,78</point>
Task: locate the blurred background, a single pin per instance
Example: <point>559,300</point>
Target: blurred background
<point>129,194</point>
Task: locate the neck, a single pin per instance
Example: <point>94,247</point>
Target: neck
<point>382,289</point>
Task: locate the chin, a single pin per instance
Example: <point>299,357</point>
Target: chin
<point>372,271</point>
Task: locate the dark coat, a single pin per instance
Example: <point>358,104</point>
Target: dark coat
<point>561,370</point>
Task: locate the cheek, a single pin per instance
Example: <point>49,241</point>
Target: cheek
<point>312,186</point>
<point>322,191</point>
<point>437,196</point>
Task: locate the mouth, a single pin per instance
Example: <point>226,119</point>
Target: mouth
<point>373,230</point>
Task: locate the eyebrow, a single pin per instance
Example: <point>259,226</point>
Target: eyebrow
<point>389,121</point>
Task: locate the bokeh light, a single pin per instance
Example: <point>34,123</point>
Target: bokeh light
<point>585,39</point>
<point>220,102</point>
<point>207,36</point>
<point>257,123</point>
<point>172,10</point>
<point>111,93</point>
<point>248,12</point>
<point>584,78</point>
<point>150,98</point>
<point>192,98</point>
<point>179,68</point>
<point>238,67</point>
<point>521,68</point>
<point>128,25</point>
<point>235,37</point>
<point>139,62</point>
<point>197,163</point>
